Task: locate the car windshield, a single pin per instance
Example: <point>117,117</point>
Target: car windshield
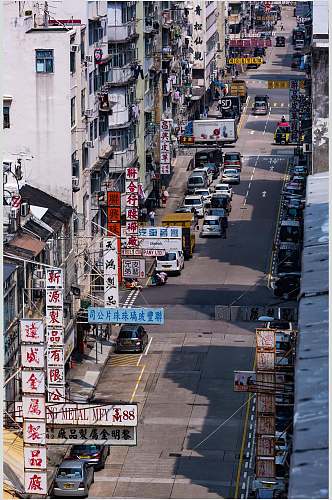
<point>260,104</point>
<point>168,256</point>
<point>192,201</point>
<point>231,157</point>
<point>70,472</point>
<point>219,212</point>
<point>211,222</point>
<point>231,171</point>
<point>127,334</point>
<point>89,448</point>
<point>222,187</point>
<point>196,180</point>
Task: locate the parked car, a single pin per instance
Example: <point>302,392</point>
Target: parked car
<point>73,479</point>
<point>204,170</point>
<point>211,226</point>
<point>218,212</point>
<point>280,324</point>
<point>171,262</point>
<point>92,454</point>
<point>219,200</point>
<point>293,213</point>
<point>293,189</point>
<point>231,176</point>
<point>205,193</point>
<point>294,202</point>
<point>131,338</point>
<point>288,258</point>
<point>212,169</point>
<point>209,156</point>
<point>290,231</point>
<point>287,287</point>
<point>224,189</point>
<point>299,169</point>
<point>196,180</point>
<point>233,159</point>
<point>195,202</point>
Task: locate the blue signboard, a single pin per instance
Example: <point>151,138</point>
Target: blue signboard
<point>141,315</point>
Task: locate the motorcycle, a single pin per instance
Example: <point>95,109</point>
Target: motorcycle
<point>156,280</point>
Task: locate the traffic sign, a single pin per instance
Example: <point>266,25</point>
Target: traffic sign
<point>245,60</point>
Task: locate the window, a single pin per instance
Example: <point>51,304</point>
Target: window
<point>85,156</point>
<point>82,102</point>
<point>91,132</point>
<point>44,61</point>
<point>90,82</point>
<point>95,128</point>
<point>122,54</point>
<point>75,165</point>
<point>121,138</point>
<point>73,111</point>
<point>72,62</point>
<point>82,46</point>
<point>95,31</point>
<point>103,124</point>
<point>6,119</point>
<point>95,182</point>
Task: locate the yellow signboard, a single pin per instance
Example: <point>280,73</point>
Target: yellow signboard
<point>281,84</point>
<point>245,60</point>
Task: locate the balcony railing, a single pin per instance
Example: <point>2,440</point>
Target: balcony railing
<point>121,32</point>
<point>120,75</point>
<point>148,61</point>
<point>148,100</point>
<point>122,159</point>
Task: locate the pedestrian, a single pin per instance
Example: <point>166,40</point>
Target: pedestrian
<point>151,217</point>
<point>219,105</point>
<point>144,213</point>
<point>236,73</point>
<point>164,196</point>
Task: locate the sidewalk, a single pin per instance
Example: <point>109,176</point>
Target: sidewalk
<point>83,379</point>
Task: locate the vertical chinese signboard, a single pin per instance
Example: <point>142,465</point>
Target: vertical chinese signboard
<point>198,37</point>
<point>34,406</point>
<point>111,269</point>
<point>265,412</point>
<point>294,110</point>
<point>132,183</point>
<point>165,146</point>
<point>114,222</point>
<point>55,336</point>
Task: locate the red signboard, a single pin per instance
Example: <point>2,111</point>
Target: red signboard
<point>114,222</point>
<point>250,43</point>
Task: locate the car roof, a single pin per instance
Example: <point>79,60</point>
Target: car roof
<point>232,153</point>
<point>230,168</point>
<point>129,327</point>
<point>211,217</point>
<point>71,463</point>
<point>223,184</point>
<point>193,196</point>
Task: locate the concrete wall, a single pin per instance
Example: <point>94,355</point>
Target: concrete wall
<point>320,109</point>
<point>40,106</point>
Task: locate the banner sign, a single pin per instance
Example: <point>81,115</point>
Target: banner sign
<point>165,146</point>
<point>131,252</point>
<point>114,222</point>
<point>160,232</point>
<point>153,252</point>
<point>111,263</point>
<point>32,330</point>
<point>265,361</point>
<point>132,184</point>
<point>265,467</point>
<point>265,403</point>
<point>115,436</point>
<point>244,381</point>
<point>142,315</point>
<point>35,482</point>
<point>282,84</point>
<point>265,339</point>
<point>134,268</point>
<point>250,43</point>
<point>265,424</point>
<point>245,60</point>
<point>86,414</point>
<point>265,446</point>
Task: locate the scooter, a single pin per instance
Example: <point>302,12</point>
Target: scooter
<point>157,281</point>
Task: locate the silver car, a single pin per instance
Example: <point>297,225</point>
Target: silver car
<point>231,176</point>
<point>211,226</point>
<point>73,479</point>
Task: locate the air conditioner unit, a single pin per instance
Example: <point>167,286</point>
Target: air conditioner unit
<point>74,48</point>
<point>307,148</point>
<point>39,273</point>
<point>88,113</point>
<point>75,184</point>
<point>38,283</point>
<point>89,144</point>
<point>13,213</point>
<point>88,59</point>
<point>25,209</point>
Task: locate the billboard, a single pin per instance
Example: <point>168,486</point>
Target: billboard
<point>217,130</point>
<point>69,435</point>
<point>244,381</point>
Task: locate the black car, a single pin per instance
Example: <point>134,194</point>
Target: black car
<point>288,258</point>
<point>220,201</point>
<point>259,52</point>
<point>293,213</point>
<point>280,41</point>
<point>132,338</point>
<point>93,454</point>
<point>290,231</point>
<point>287,287</point>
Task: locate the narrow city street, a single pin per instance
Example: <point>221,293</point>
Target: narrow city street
<point>191,421</point>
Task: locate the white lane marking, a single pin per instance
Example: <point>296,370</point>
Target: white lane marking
<point>246,465</point>
<point>274,104</point>
<point>252,417</point>
<point>249,436</point>
<point>249,185</point>
<point>252,131</point>
<point>242,496</point>
<point>251,178</point>
<point>148,347</point>
<point>247,454</point>
<point>264,194</point>
<point>245,474</point>
<point>282,104</point>
<point>267,121</point>
<point>271,168</point>
<point>243,486</point>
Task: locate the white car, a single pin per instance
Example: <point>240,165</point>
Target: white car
<point>206,171</point>
<point>205,193</point>
<point>231,176</point>
<point>225,189</point>
<point>211,226</point>
<point>172,261</point>
<point>195,201</point>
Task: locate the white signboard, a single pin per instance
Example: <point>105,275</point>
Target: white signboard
<point>85,414</point>
<point>54,317</point>
<point>33,381</point>
<point>111,281</point>
<point>160,232</point>
<point>54,278</point>
<point>54,298</point>
<point>33,406</point>
<point>55,356</point>
<point>161,245</point>
<point>133,268</point>
<point>56,394</point>
<point>214,130</point>
<point>32,330</point>
<point>35,482</point>
<point>32,356</point>
<point>153,252</point>
<point>65,435</point>
<point>55,336</point>
<point>56,375</point>
<point>131,252</point>
<point>35,457</point>
<point>34,432</point>
<point>165,140</point>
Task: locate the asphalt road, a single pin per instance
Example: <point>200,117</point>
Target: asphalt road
<point>191,421</point>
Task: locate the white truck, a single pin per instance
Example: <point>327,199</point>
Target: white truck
<point>214,131</point>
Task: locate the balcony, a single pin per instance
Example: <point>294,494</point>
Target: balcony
<point>151,25</point>
<point>120,76</point>
<point>122,159</point>
<point>148,141</point>
<point>148,101</point>
<point>148,62</point>
<point>122,32</point>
